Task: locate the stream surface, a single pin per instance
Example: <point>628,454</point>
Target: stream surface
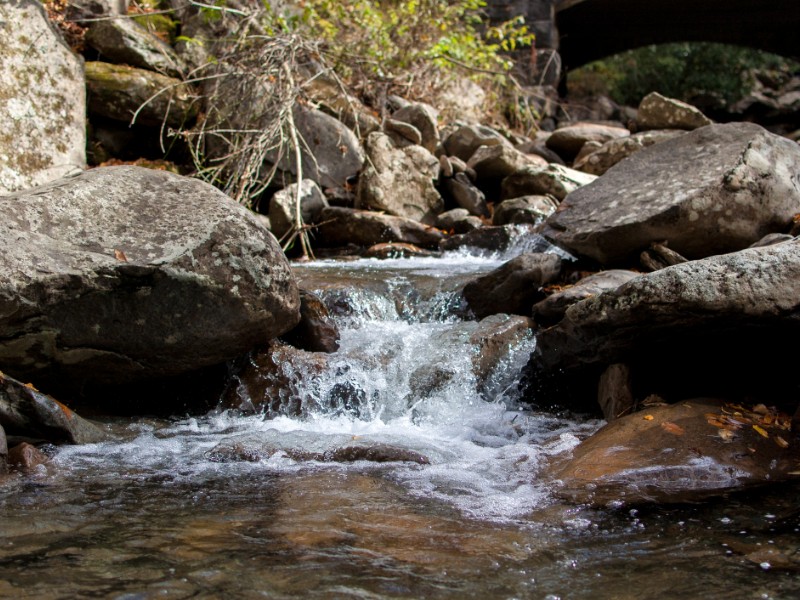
<point>157,514</point>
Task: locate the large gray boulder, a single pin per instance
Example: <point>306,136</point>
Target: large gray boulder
<point>42,100</point>
<point>716,189</point>
<point>711,326</point>
<point>399,180</point>
<point>613,151</point>
<point>123,274</point>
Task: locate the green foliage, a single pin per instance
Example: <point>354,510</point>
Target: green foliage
<point>686,71</point>
<point>406,39</point>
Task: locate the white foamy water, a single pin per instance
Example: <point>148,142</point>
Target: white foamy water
<point>415,386</point>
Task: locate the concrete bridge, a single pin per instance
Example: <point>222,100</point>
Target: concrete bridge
<point>591,29</point>
<point>586,30</point>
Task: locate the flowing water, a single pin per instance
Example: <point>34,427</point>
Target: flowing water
<point>227,505</point>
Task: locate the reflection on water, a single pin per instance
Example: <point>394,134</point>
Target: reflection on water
<point>159,514</point>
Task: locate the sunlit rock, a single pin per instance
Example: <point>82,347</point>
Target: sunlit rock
<point>713,190</point>
<point>126,273</point>
<point>659,112</point>
<point>42,100</point>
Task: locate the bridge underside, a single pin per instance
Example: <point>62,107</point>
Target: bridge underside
<point>592,29</point>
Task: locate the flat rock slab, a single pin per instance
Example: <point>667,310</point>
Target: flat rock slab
<point>716,189</point>
<point>125,273</point>
<point>683,452</point>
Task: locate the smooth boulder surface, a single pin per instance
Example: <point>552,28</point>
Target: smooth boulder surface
<point>42,100</point>
<point>717,326</point>
<point>716,189</point>
<point>339,226</point>
<point>125,273</point>
<point>681,452</point>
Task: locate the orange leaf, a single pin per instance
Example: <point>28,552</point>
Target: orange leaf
<point>781,442</point>
<point>120,255</point>
<point>648,417</point>
<point>670,427</point>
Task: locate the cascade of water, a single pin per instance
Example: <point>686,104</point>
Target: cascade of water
<point>415,382</point>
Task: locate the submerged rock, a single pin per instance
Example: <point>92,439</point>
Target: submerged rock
<point>316,331</point>
<point>679,453</point>
<point>125,274</point>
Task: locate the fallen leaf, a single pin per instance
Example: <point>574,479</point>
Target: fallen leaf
<point>761,431</point>
<point>120,255</point>
<point>648,417</point>
<point>672,428</point>
<point>726,434</point>
<point>781,442</point>
<point>760,409</point>
<point>31,386</point>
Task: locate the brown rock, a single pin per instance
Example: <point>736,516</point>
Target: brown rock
<point>678,453</point>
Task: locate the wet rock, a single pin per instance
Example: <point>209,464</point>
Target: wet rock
<point>735,186</point>
<point>555,180</point>
<point>316,331</point>
<point>340,226</point>
<point>659,112</point>
<point>495,239</point>
<point>493,339</point>
<point>26,412</point>
<point>127,274</point>
<point>465,140</point>
<point>525,209</point>
<point>514,287</point>
<point>458,220</point>
<point>124,41</point>
<point>396,250</point>
<point>270,380</point>
<point>425,119</point>
<point>283,206</point>
<point>552,308</point>
<point>676,454</point>
<point>399,181</point>
<point>251,449</point>
<point>701,327</point>
<point>26,457</point>
<point>42,101</point>
<point>466,195</point>
<point>122,93</point>
<point>567,141</point>
<point>613,151</point>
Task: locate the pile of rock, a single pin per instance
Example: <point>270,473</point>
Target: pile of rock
<point>682,235</point>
